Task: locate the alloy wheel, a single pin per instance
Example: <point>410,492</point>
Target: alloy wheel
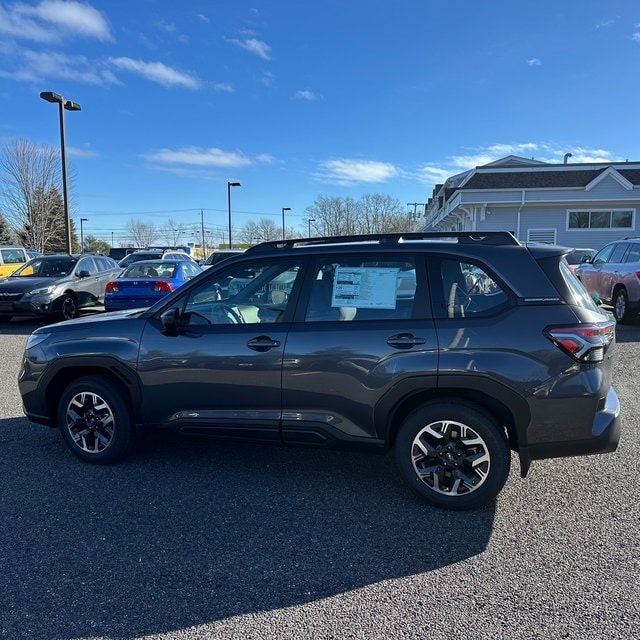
<point>450,458</point>
<point>69,308</point>
<point>90,422</point>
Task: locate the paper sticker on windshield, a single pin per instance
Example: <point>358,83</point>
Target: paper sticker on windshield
<point>365,287</point>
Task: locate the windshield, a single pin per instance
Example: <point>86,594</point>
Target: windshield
<point>46,267</point>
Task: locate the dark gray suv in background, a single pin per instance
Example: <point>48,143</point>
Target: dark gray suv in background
<point>453,349</point>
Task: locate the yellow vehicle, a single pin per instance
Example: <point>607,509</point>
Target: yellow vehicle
<point>10,259</point>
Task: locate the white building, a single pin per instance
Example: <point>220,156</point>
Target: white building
<point>576,205</point>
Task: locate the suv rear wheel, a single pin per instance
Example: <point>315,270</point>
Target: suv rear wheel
<point>94,420</point>
<point>453,455</point>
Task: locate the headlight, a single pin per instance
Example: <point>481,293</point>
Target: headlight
<point>35,339</point>
<point>43,291</point>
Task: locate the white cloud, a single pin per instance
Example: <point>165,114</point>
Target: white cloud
<point>203,18</point>
<point>224,87</point>
<point>212,157</point>
<point>305,94</point>
<point>261,49</point>
<point>268,78</point>
<point>534,62</point>
<point>157,72</point>
<point>37,66</point>
<point>50,20</point>
<point>544,152</point>
<point>636,36</point>
<point>348,172</point>
<point>75,152</point>
<point>603,24</point>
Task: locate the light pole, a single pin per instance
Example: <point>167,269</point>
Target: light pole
<point>112,239</point>
<point>82,234</point>
<point>310,221</point>
<point>283,210</point>
<point>69,105</point>
<point>229,185</point>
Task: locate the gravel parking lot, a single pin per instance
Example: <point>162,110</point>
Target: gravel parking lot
<point>193,539</point>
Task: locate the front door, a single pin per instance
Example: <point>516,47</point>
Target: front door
<point>221,375</point>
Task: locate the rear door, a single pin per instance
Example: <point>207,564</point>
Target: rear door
<point>363,337</point>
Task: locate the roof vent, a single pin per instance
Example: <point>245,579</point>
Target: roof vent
<point>567,156</point>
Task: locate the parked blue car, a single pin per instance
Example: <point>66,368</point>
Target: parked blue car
<point>145,282</point>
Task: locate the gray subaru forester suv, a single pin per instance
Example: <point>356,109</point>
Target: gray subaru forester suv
<point>452,349</point>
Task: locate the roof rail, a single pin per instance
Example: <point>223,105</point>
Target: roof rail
<point>463,237</point>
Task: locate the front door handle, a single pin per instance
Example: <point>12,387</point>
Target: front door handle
<point>404,341</point>
<point>262,343</point>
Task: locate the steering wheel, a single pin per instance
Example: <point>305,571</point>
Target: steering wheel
<point>226,314</point>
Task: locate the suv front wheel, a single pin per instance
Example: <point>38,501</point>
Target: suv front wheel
<point>621,306</point>
<point>95,421</point>
<point>453,455</point>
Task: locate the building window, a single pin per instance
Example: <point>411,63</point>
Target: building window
<point>601,219</point>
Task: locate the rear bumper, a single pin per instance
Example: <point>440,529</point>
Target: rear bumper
<point>605,435</point>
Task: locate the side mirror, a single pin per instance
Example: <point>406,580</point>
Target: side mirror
<point>171,321</point>
<point>83,274</point>
<point>586,258</point>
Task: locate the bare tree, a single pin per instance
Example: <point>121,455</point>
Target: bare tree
<point>31,202</point>
<point>142,234</point>
<point>372,213</point>
<point>172,232</point>
<point>249,233</point>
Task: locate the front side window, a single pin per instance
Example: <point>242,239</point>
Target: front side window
<point>86,264</point>
<point>603,255</point>
<point>356,289</point>
<point>251,293</point>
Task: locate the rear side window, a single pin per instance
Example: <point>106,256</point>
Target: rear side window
<point>580,295</point>
<point>633,254</point>
<point>466,290</point>
<point>361,288</point>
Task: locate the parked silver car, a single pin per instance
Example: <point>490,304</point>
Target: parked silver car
<point>612,276</point>
<point>56,285</point>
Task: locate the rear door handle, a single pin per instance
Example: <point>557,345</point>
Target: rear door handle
<point>404,341</point>
<point>263,343</point>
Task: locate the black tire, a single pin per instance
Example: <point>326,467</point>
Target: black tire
<point>68,307</point>
<point>453,455</point>
<point>621,306</point>
<point>95,420</point>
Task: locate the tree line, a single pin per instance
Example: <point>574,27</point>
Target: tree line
<point>32,211</point>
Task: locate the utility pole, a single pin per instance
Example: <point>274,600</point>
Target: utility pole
<point>415,207</point>
<point>204,248</point>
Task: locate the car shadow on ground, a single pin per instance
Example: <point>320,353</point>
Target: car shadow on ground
<point>190,531</point>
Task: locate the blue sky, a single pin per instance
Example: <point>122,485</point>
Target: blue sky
<point>297,99</point>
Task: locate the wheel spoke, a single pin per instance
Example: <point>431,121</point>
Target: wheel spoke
<point>90,422</point>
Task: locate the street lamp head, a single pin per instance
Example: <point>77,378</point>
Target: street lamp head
<point>70,105</point>
<point>50,96</point>
<point>84,219</point>
<point>286,208</point>
<point>234,184</point>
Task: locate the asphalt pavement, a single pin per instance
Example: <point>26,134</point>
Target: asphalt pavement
<point>192,539</point>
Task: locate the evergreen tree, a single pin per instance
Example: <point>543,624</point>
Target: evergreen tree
<point>6,234</point>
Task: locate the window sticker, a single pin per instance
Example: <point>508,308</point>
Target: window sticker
<point>365,287</point>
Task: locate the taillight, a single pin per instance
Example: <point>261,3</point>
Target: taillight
<point>162,286</point>
<point>111,287</point>
<point>584,342</point>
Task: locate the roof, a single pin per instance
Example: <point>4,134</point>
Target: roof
<point>532,179</point>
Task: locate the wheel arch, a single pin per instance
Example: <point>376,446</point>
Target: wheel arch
<point>60,377</point>
<point>511,411</point>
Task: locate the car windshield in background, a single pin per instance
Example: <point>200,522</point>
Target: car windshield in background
<point>147,269</point>
<point>46,267</point>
